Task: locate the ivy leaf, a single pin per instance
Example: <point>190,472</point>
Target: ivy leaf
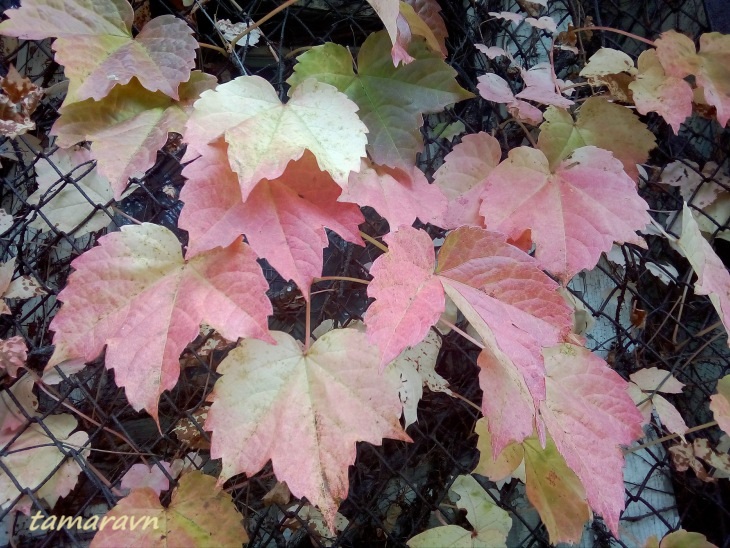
<point>495,88</point>
<point>680,539</point>
<point>552,487</point>
<point>409,298</point>
<point>611,68</point>
<point>392,100</point>
<point>128,126</point>
<point>303,409</point>
<point>601,124</point>
<point>491,524</point>
<point>540,87</point>
<point>575,211</point>
<point>463,176</point>
<point>713,278</point>
<point>136,294</point>
<point>680,59</point>
<point>655,91</point>
<point>398,196</point>
<point>95,45</point>
<point>283,219</point>
<point>403,20</point>
<point>263,134</point>
<point>199,514</point>
<point>68,206</point>
<point>589,414</point>
<point>720,404</point>
<point>512,305</point>
<point>555,491</point>
<point>12,417</point>
<point>34,456</point>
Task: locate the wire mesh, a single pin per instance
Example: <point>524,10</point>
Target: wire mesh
<point>395,489</point>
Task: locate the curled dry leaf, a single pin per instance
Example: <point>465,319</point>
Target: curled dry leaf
<point>690,455</point>
<point>17,103</point>
<point>190,430</point>
<point>611,68</point>
<point>230,30</point>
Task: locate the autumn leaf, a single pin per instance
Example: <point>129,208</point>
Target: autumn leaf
<point>720,404</point>
<point>392,100</point>
<point>303,409</point>
<point>655,91</point>
<point>18,101</point>
<point>403,20</point>
<point>94,44</point>
<point>409,298</point>
<point>540,87</point>
<point>67,206</point>
<point>263,134</point>
<point>512,305</point>
<point>601,124</point>
<point>462,178</point>
<point>34,456</point>
<point>491,524</point>
<point>13,353</point>
<point>713,278</point>
<point>496,89</point>
<point>398,196</point>
<point>589,414</point>
<point>643,389</point>
<point>136,294</point>
<point>680,539</point>
<point>199,514</point>
<point>22,287</point>
<point>12,416</point>
<point>614,69</point>
<point>552,487</point>
<point>283,219</point>
<point>152,477</point>
<point>128,126</point>
<point>575,210</point>
<point>679,58</point>
<point>555,491</point>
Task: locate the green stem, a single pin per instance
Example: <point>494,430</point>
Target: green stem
<point>669,437</point>
<point>376,243</point>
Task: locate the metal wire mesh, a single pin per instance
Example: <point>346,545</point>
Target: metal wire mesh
<point>397,488</point>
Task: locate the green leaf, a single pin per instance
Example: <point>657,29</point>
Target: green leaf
<point>601,124</point>
<point>392,100</point>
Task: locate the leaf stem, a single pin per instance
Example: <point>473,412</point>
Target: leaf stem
<point>669,437</point>
<point>211,46</point>
<point>462,333</point>
<point>257,24</point>
<point>527,133</point>
<point>340,279</point>
<point>617,31</point>
<point>376,243</point>
<point>308,324</point>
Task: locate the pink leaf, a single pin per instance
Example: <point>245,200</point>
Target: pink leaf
<point>95,44</point>
<point>495,88</point>
<point>283,219</point>
<point>540,86</point>
<point>136,294</point>
<point>409,299</point>
<point>398,196</point>
<point>574,213</point>
<point>652,379</point>
<point>679,58</point>
<point>589,414</point>
<point>463,176</point>
<point>655,91</point>
<point>507,16</point>
<point>141,475</point>
<point>303,409</point>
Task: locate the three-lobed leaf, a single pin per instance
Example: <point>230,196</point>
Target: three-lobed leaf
<point>305,409</point>
<point>136,294</point>
<point>94,43</point>
<point>392,100</point>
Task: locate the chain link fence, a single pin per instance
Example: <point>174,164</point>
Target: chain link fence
<point>641,319</point>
